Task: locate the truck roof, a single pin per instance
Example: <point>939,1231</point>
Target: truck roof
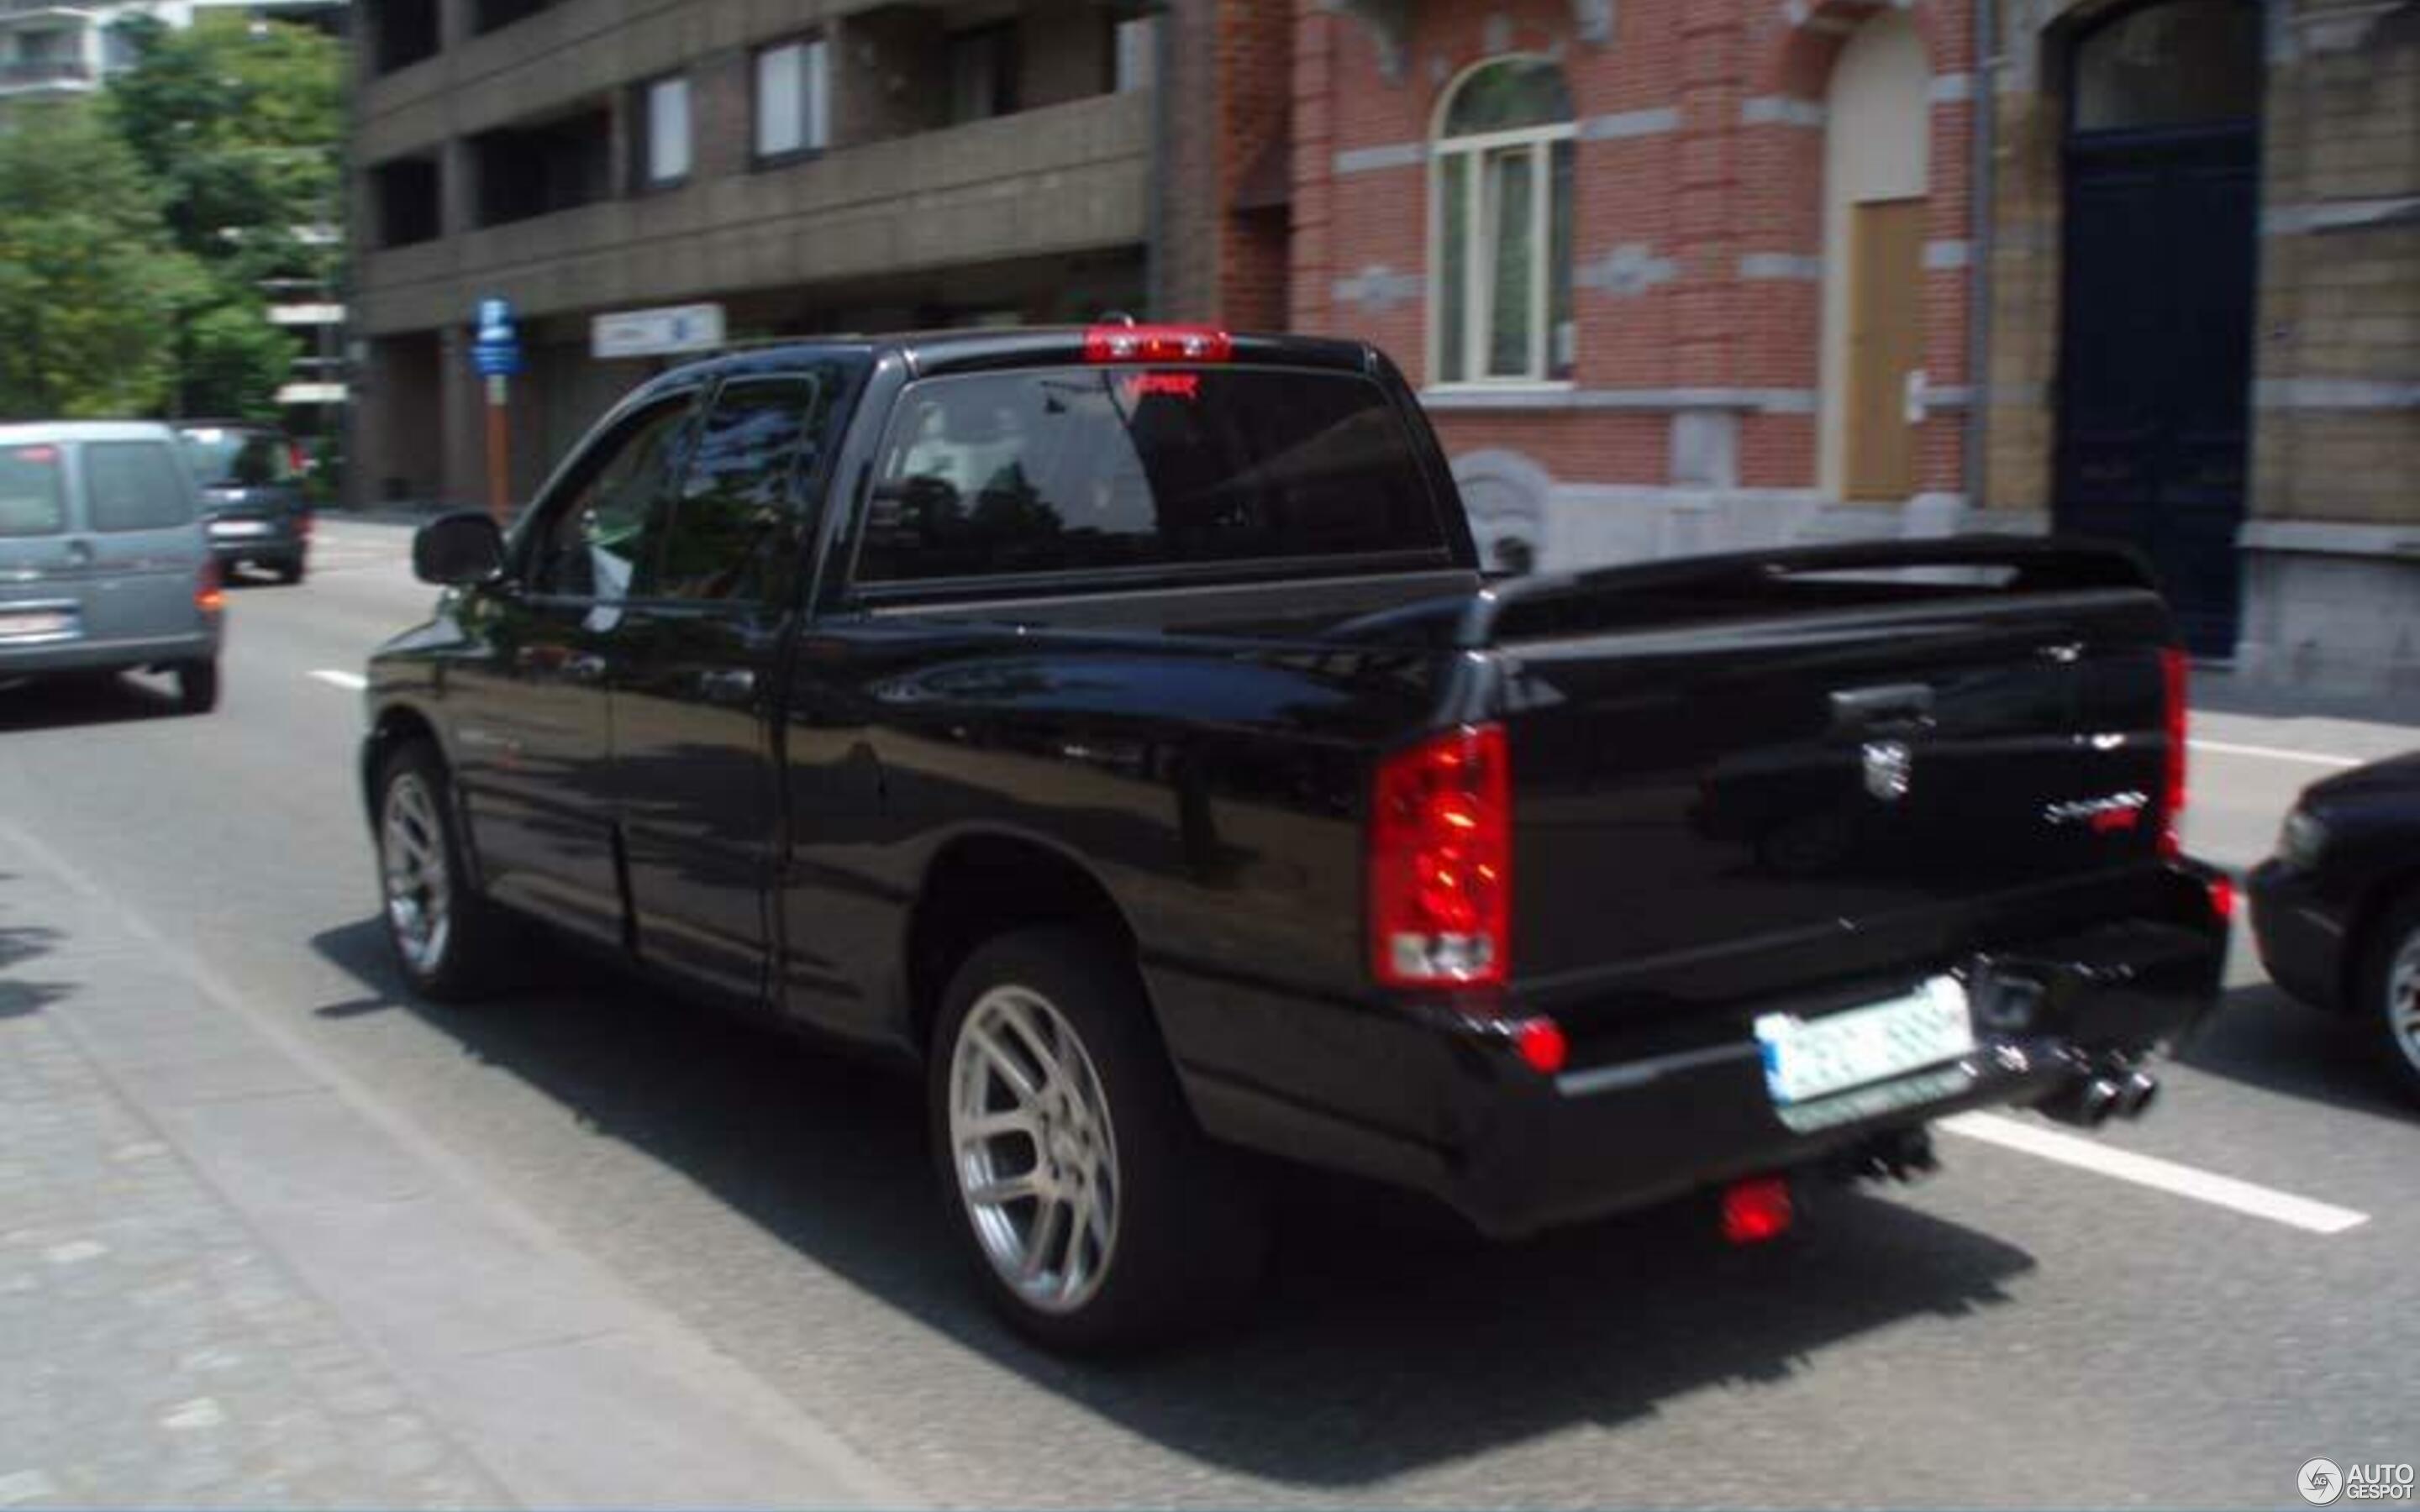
<point>930,352</point>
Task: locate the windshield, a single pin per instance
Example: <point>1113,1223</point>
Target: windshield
<point>1092,469</point>
<point>239,458</point>
<point>33,497</point>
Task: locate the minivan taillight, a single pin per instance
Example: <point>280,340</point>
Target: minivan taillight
<point>210,589</point>
<point>2172,799</point>
<point>1441,862</point>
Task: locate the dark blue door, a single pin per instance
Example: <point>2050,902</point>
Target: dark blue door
<point>2155,331</point>
<point>2155,379</point>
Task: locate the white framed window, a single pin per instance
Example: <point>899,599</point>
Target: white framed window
<point>1500,179</point>
<point>668,146</point>
<point>793,98</point>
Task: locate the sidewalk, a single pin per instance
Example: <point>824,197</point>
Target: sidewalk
<point>230,1277</point>
<point>159,1353</point>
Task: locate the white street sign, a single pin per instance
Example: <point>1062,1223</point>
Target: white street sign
<point>689,327</point>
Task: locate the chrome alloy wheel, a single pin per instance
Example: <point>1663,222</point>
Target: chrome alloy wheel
<point>412,858</point>
<point>1036,1156</point>
<point>2402,1003</point>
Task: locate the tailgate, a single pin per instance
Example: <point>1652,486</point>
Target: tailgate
<point>1744,775</point>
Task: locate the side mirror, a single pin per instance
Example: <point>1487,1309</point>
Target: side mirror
<point>458,550</point>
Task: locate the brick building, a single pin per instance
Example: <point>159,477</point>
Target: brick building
<point>1680,274</point>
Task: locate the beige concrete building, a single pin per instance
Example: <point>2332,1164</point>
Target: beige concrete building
<point>808,166</point>
<point>2203,274</point>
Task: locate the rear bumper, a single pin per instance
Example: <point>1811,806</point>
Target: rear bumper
<point>277,545</point>
<point>93,655</point>
<point>2300,933</point>
<point>1436,1101</point>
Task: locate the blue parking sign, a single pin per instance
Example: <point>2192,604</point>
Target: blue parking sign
<point>496,350</point>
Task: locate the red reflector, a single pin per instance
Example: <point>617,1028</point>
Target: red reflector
<point>1755,1210</point>
<point>1541,1044</point>
<point>1157,344</point>
<point>2173,678</point>
<point>2221,898</point>
<point>1440,885</point>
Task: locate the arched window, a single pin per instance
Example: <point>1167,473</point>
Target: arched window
<point>2180,63</point>
<point>1500,226</point>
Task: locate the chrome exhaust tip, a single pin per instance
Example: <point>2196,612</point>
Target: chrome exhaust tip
<point>2086,1102</point>
<point>2136,1094</point>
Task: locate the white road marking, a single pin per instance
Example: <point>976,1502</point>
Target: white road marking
<point>353,682</point>
<point>2160,1175</point>
<point>2221,747</point>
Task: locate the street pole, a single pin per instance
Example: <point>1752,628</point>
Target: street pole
<point>499,467</point>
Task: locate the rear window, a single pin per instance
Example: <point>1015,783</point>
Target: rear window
<point>1102,469</point>
<point>134,485</point>
<point>222,459</point>
<point>33,495</point>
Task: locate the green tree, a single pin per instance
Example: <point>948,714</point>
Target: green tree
<point>241,123</point>
<point>89,281</point>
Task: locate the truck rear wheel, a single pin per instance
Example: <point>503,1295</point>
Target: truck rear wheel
<point>1097,1215</point>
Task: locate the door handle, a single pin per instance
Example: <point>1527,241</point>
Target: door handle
<point>734,684</point>
<point>586,669</point>
<point>1894,707</point>
<point>79,553</point>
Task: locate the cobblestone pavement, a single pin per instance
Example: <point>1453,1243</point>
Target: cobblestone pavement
<point>156,1354</point>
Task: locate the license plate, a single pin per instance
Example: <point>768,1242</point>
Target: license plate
<point>239,527</point>
<point>36,624</point>
<point>1814,1058</point>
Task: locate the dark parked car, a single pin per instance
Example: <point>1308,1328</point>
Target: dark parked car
<point>1118,723</point>
<point>103,568</point>
<point>2336,911</point>
<point>254,501</point>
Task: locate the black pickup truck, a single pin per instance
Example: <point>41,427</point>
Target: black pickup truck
<point>1118,722</point>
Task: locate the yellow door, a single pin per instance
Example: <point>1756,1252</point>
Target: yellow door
<point>1885,344</point>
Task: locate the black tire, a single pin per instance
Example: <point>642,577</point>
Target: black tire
<point>463,962</point>
<point>1189,1230</point>
<point>2387,1013</point>
<point>197,686</point>
<point>289,570</point>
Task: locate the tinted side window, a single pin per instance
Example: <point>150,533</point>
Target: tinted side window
<point>1084,470</point>
<point>735,497</point>
<point>588,544</point>
<point>135,485</point>
<point>33,493</point>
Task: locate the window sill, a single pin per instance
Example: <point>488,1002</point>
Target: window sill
<point>1544,394</point>
<point>773,162</point>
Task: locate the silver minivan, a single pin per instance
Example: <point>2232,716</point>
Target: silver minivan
<point>103,562</point>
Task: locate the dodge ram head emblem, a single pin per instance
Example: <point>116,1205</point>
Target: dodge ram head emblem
<point>1889,767</point>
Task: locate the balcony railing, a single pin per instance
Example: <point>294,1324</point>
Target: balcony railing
<point>27,74</point>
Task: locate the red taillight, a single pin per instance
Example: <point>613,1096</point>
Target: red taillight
<point>1157,344</point>
<point>1441,862</point>
<point>2172,801</point>
<point>210,590</point>
<point>1756,1210</point>
<point>2221,898</point>
<point>295,459</point>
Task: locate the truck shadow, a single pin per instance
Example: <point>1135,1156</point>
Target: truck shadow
<point>1386,1340</point>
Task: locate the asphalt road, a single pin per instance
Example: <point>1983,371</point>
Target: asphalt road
<point>2022,1330</point>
